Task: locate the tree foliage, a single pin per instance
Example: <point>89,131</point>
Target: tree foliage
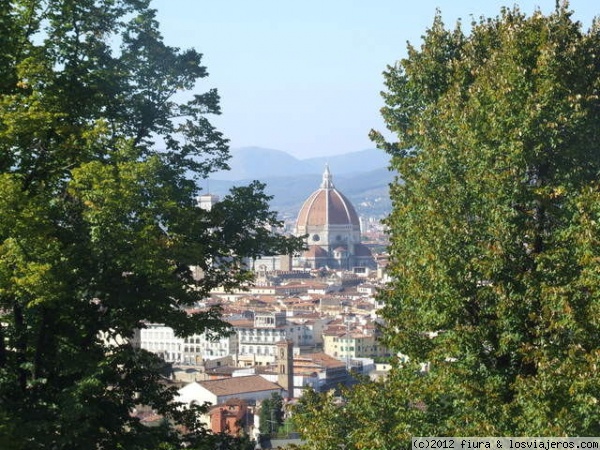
<point>271,414</point>
<point>494,230</point>
<point>99,165</point>
<point>367,415</point>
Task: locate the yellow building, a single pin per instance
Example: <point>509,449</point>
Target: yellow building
<point>359,342</point>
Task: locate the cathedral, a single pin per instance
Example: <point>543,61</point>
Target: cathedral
<point>332,230</point>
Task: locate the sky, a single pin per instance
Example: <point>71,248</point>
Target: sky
<point>305,76</point>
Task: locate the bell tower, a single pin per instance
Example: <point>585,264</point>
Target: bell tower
<point>285,366</point>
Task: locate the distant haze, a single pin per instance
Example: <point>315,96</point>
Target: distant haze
<point>257,162</point>
<point>362,176</point>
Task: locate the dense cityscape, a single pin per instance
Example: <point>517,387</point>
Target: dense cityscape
<point>318,306</point>
<point>440,290</point>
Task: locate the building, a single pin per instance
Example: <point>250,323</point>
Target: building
<point>200,347</point>
<point>207,201</point>
<point>318,371</point>
<point>332,227</point>
<point>160,340</point>
<point>285,366</point>
<point>347,342</point>
<point>258,338</point>
<point>252,342</point>
<point>321,371</point>
<point>192,350</point>
<point>252,389</point>
<point>232,417</point>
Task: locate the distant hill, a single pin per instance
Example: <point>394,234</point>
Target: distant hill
<point>362,176</point>
<point>249,163</point>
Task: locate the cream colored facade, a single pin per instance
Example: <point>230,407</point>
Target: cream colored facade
<point>353,345</point>
<point>258,338</point>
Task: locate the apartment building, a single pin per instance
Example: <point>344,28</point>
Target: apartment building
<point>252,342</point>
<point>161,340</point>
<point>257,338</point>
<point>347,341</point>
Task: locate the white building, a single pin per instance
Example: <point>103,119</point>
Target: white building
<point>161,340</point>
<point>253,341</point>
<point>199,347</point>
<point>253,388</point>
<point>311,326</point>
<point>257,338</point>
<point>207,201</point>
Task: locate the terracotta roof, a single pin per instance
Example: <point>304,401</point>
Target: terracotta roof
<point>305,315</point>
<point>327,206</point>
<point>239,385</point>
<point>240,322</point>
<point>232,402</point>
<point>314,251</point>
<point>320,359</point>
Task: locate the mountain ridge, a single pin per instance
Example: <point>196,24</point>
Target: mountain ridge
<point>259,162</point>
<point>361,176</point>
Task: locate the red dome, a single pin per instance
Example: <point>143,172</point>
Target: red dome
<point>327,206</point>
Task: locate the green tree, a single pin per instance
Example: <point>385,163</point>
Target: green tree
<point>271,414</point>
<point>494,224</point>
<point>367,415</point>
<point>494,231</point>
<point>99,165</point>
<point>320,421</point>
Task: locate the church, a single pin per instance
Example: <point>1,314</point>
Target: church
<point>332,229</point>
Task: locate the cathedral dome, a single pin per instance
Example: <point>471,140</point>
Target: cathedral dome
<point>331,227</point>
<point>327,206</point>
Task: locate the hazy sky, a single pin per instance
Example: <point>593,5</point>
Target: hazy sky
<point>304,76</point>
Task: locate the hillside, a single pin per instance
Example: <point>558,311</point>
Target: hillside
<point>250,163</point>
<point>362,176</point>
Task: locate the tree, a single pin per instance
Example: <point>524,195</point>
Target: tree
<point>494,230</point>
<point>321,420</point>
<point>271,414</point>
<point>99,166</point>
<point>368,415</point>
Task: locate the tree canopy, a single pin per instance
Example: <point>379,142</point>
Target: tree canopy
<point>271,414</point>
<point>100,162</point>
<point>494,232</point>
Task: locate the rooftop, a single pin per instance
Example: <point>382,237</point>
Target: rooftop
<point>239,385</point>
